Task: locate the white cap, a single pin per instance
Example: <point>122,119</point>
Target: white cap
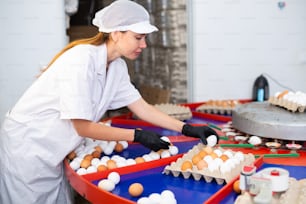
<point>124,15</point>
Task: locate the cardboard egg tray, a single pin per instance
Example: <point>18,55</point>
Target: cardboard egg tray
<point>289,105</point>
<point>177,111</point>
<point>175,168</point>
<point>214,110</point>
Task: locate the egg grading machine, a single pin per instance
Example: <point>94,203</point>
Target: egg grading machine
<point>269,121</point>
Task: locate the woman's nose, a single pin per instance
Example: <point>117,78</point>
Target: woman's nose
<point>143,43</point>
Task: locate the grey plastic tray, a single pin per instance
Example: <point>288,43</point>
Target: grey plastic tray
<point>267,120</point>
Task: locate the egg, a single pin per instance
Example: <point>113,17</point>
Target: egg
<point>85,163</point>
<point>96,154</point>
<point>173,150</point>
<point>208,149</point>
<point>224,157</point>
<point>74,165</point>
<point>143,200</point>
<point>88,157</point>
<point>118,147</point>
<point>114,176</point>
<point>236,186</point>
<point>111,164</point>
<point>98,148</point>
<point>212,140</point>
<point>91,169</point>
<point>125,144</point>
<point>165,154</point>
<point>202,153</point>
<point>202,164</point>
<point>101,167</point>
<point>135,189</point>
<point>218,152</point>
<point>71,155</point>
<point>139,160</point>
<point>106,184</point>
<point>166,139</point>
<point>81,171</point>
<point>186,165</point>
<point>167,194</point>
<point>255,140</point>
<point>155,197</point>
<point>195,159</point>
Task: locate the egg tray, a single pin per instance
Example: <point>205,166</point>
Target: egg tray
<point>175,167</point>
<point>214,110</point>
<point>296,193</point>
<point>177,111</point>
<point>288,105</point>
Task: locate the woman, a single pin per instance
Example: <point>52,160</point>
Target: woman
<point>65,104</point>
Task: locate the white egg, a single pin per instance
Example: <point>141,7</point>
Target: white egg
<point>165,139</point>
<point>91,169</point>
<point>218,161</point>
<point>154,155</point>
<point>74,164</point>
<point>228,153</point>
<point>218,152</point>
<point>212,166</point>
<point>155,197</point>
<point>130,161</point>
<point>108,150</point>
<point>81,171</point>
<point>104,159</point>
<point>208,159</point>
<point>144,200</point>
<point>168,201</point>
<point>147,157</point>
<point>114,176</point>
<point>212,140</point>
<point>173,150</point>
<point>165,154</point>
<point>106,184</point>
<point>254,140</point>
<point>95,161</point>
<point>167,194</point>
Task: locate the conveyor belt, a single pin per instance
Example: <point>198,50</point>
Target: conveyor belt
<point>266,120</point>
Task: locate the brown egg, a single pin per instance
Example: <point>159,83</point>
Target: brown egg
<point>224,157</point>
<point>208,149</point>
<point>85,163</point>
<point>236,186</point>
<point>186,165</point>
<point>202,154</point>
<point>101,167</point>
<point>139,160</point>
<point>71,155</point>
<point>195,159</point>
<point>214,155</point>
<point>135,189</point>
<point>202,164</point>
<point>111,164</point>
<point>88,157</point>
<point>96,154</point>
<point>118,147</point>
<point>99,149</point>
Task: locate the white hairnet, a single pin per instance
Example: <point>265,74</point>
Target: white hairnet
<point>123,15</point>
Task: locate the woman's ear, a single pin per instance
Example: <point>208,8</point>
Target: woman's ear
<point>115,35</point>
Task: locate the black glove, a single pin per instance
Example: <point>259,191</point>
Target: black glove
<point>201,132</point>
<point>150,140</point>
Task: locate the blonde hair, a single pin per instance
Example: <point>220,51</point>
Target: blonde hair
<point>98,39</point>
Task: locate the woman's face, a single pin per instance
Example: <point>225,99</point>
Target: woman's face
<point>130,44</point>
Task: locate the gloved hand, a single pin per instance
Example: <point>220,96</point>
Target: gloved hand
<point>150,140</point>
<point>202,132</point>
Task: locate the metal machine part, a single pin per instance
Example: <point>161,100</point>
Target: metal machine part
<point>270,121</point>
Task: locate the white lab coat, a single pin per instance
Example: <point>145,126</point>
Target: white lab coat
<point>37,133</point>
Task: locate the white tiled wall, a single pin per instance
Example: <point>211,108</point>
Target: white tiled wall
<point>235,41</point>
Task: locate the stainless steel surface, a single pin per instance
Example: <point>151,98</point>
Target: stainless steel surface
<point>266,120</point>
